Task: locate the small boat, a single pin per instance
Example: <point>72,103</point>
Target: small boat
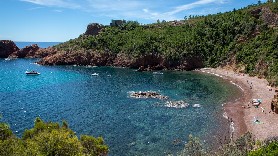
<point>32,73</point>
<point>157,73</point>
<point>95,74</point>
<point>9,58</point>
<point>196,105</point>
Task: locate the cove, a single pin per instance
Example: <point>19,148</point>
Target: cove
<point>101,105</point>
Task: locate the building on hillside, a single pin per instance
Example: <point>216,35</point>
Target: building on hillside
<point>116,23</point>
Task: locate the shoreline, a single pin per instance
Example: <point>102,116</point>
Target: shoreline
<point>241,113</point>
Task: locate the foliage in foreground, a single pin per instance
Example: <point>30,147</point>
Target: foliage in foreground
<point>246,145</point>
<point>270,147</point>
<point>49,139</point>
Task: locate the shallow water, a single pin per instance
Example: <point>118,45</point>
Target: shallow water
<point>101,106</point>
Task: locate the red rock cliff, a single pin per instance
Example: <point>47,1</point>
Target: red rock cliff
<point>7,47</point>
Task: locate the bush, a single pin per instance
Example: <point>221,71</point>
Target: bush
<point>48,138</point>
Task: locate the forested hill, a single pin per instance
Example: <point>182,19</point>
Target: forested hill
<point>245,39</point>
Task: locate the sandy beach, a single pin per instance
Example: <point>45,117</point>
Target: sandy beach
<point>241,112</point>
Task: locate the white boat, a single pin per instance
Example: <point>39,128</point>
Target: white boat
<point>157,73</point>
<point>32,73</point>
<point>9,58</point>
<point>95,74</point>
<point>196,105</point>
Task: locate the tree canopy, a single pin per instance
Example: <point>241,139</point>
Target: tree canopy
<point>49,139</point>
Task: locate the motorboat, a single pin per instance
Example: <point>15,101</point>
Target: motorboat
<point>95,74</point>
<point>157,73</point>
<point>32,73</point>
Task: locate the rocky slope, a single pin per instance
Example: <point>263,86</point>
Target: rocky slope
<point>7,47</point>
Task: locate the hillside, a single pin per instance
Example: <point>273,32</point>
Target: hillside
<point>245,40</point>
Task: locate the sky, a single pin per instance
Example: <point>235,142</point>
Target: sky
<point>62,20</point>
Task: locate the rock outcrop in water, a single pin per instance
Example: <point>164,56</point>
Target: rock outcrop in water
<point>7,47</point>
<point>176,104</point>
<point>33,51</point>
<point>28,51</point>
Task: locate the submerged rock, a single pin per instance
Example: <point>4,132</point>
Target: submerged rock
<point>147,94</point>
<point>176,104</point>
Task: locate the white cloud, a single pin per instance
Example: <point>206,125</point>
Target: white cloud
<point>172,14</point>
<point>58,11</point>
<point>129,9</point>
<point>55,3</point>
<point>115,5</point>
<point>35,8</point>
<point>192,6</point>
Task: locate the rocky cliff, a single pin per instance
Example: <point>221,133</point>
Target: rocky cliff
<point>7,47</point>
<point>93,29</point>
<point>78,58</point>
<point>28,51</point>
<point>33,51</point>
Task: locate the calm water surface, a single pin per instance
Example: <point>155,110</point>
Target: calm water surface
<point>101,106</point>
<point>40,44</point>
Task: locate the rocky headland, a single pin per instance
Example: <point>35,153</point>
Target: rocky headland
<point>8,49</point>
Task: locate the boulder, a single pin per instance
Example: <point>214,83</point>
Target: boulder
<point>7,47</point>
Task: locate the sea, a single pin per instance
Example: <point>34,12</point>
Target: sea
<point>40,44</point>
<point>101,105</point>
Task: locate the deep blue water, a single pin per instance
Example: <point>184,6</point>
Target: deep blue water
<point>101,106</point>
<point>40,44</point>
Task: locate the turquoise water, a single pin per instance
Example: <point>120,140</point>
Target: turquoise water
<point>101,106</point>
<point>40,44</point>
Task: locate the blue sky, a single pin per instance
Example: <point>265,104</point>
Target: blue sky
<point>61,20</point>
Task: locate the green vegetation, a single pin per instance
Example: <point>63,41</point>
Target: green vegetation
<point>243,146</point>
<point>49,139</point>
<point>245,39</point>
<point>270,148</point>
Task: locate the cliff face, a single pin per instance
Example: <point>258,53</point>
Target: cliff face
<point>28,51</point>
<point>78,58</point>
<point>33,51</point>
<point>7,47</point>
<point>144,63</point>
